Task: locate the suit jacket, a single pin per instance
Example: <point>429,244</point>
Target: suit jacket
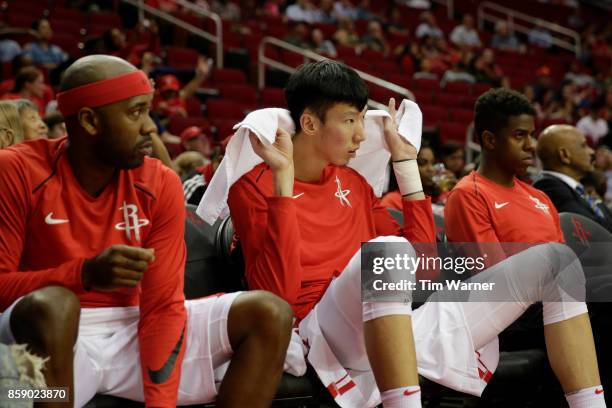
<point>566,199</point>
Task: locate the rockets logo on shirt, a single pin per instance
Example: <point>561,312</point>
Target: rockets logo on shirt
<point>539,205</point>
<point>341,194</point>
<point>131,221</point>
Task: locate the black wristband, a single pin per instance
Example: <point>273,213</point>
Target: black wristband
<point>405,160</point>
<point>409,194</point>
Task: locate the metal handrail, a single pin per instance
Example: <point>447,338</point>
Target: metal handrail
<point>218,26</point>
<point>217,40</point>
<point>264,61</point>
<point>511,17</point>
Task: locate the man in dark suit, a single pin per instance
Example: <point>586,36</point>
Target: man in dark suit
<point>567,158</point>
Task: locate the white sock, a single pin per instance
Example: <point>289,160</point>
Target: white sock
<point>592,397</point>
<point>404,397</point>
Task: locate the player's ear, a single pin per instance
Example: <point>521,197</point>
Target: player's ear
<point>488,140</point>
<point>309,122</point>
<point>89,120</point>
<point>565,156</point>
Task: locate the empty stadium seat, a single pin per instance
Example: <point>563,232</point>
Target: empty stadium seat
<point>434,115</point>
<point>240,93</point>
<point>227,109</point>
<point>181,57</point>
<point>228,76</point>
<point>452,132</point>
<point>273,97</point>
<point>178,123</point>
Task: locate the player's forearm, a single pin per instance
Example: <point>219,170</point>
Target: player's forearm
<point>14,284</point>
<point>283,182</point>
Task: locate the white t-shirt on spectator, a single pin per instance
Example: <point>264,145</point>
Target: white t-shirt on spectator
<point>464,36</point>
<point>425,30</point>
<point>593,128</point>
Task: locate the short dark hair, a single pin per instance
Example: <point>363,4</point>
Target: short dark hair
<point>36,23</point>
<point>494,107</point>
<point>450,148</point>
<point>319,85</point>
<point>24,76</point>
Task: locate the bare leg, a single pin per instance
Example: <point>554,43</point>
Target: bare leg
<point>571,352</point>
<point>259,329</point>
<point>48,321</point>
<point>390,346</point>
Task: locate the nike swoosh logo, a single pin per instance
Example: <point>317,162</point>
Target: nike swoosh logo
<point>298,195</point>
<point>409,393</point>
<point>161,376</point>
<point>501,205</point>
<point>53,221</point>
<point>599,391</point>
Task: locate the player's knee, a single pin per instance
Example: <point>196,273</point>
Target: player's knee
<point>264,314</point>
<point>53,312</point>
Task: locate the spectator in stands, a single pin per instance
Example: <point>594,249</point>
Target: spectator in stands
<point>577,75</point>
<point>272,8</point>
<point>143,333</point>
<point>540,36</point>
<point>42,51</point>
<point>603,163</point>
<point>428,27</point>
<point>345,10</point>
<point>56,124</point>
<point>596,186</point>
<point>465,35</point>
<point>375,38</point>
<point>364,12</point>
<point>30,85</point>
<point>187,162</point>
<point>425,70</point>
<point>504,39</point>
<point>529,94</point>
<point>11,130</point>
<point>9,48</point>
<point>396,24</point>
<point>194,138</point>
<point>115,42</point>
<point>319,44</point>
<point>486,70</point>
<point>437,182</point>
<point>171,99</point>
<point>325,14</point>
<point>33,126</point>
<point>566,159</point>
<point>452,155</point>
<point>301,11</point>
<point>346,35</point>
<point>298,35</point>
<point>457,72</point>
<point>595,124</point>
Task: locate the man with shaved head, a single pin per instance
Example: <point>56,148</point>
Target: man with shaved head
<point>566,158</point>
<point>90,219</point>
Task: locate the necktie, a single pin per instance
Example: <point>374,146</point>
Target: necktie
<point>593,202</point>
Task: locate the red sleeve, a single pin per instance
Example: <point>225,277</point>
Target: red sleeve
<point>467,219</point>
<point>162,329</point>
<point>14,211</point>
<point>269,234</point>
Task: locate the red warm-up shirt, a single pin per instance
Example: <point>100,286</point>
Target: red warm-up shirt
<point>294,246</point>
<point>49,225</point>
<point>481,211</point>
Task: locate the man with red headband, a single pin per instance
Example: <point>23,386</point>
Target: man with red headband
<point>91,215</point>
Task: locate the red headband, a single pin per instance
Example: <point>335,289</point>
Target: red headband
<point>104,92</point>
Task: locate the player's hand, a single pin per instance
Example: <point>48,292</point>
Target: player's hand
<point>400,148</point>
<point>278,155</point>
<point>119,266</point>
<point>203,67</point>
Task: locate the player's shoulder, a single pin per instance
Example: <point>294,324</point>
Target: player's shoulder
<point>154,177</point>
<point>259,177</point>
<point>35,160</point>
<point>469,185</point>
<point>533,191</point>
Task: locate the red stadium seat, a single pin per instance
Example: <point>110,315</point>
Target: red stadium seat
<point>225,109</point>
<point>462,116</point>
<point>181,57</point>
<point>458,87</point>
<point>194,106</point>
<point>178,123</point>
<point>109,19</point>
<point>452,132</point>
<point>424,84</point>
<point>273,97</point>
<point>480,88</point>
<point>450,100</point>
<point>240,93</point>
<point>228,76</point>
<point>423,97</point>
<point>224,128</point>
<point>433,116</point>
<point>74,15</point>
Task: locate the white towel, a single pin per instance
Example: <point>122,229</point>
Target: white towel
<point>371,159</point>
